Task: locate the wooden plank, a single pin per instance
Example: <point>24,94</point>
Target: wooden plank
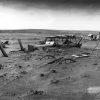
<point>3,51</point>
<point>21,46</point>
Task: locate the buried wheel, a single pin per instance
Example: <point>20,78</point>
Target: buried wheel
<point>47,56</point>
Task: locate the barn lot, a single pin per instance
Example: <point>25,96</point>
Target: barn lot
<point>54,74</point>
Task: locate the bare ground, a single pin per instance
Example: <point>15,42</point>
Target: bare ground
<point>35,76</point>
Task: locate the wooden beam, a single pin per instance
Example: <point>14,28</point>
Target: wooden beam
<point>3,51</point>
<point>21,46</point>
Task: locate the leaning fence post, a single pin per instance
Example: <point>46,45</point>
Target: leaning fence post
<point>3,51</point>
<point>21,46</point>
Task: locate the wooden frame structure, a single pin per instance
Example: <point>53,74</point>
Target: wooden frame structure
<point>65,40</point>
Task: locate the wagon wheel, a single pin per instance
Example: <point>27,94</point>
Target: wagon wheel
<point>49,56</point>
<point>71,60</point>
<point>66,61</point>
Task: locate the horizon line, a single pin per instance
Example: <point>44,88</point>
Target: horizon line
<point>45,29</point>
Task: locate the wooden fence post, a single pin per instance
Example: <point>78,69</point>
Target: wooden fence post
<point>21,46</point>
<point>3,51</point>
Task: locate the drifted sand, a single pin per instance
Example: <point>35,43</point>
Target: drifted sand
<point>22,72</point>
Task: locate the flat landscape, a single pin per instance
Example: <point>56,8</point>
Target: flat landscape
<point>49,74</point>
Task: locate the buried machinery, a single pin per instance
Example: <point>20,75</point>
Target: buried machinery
<point>61,41</point>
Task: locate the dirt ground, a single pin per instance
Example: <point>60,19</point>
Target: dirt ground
<point>39,75</point>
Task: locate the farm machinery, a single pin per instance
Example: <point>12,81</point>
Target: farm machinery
<point>62,41</point>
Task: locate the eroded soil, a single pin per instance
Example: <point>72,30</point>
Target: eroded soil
<point>47,75</point>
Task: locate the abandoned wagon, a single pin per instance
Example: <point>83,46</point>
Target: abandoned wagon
<point>63,40</point>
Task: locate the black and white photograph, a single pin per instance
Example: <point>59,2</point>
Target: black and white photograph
<point>49,50</point>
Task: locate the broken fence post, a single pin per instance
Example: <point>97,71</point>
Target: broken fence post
<point>31,48</point>
<point>3,51</point>
<point>21,46</point>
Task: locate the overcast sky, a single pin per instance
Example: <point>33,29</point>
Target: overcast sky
<point>50,14</point>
